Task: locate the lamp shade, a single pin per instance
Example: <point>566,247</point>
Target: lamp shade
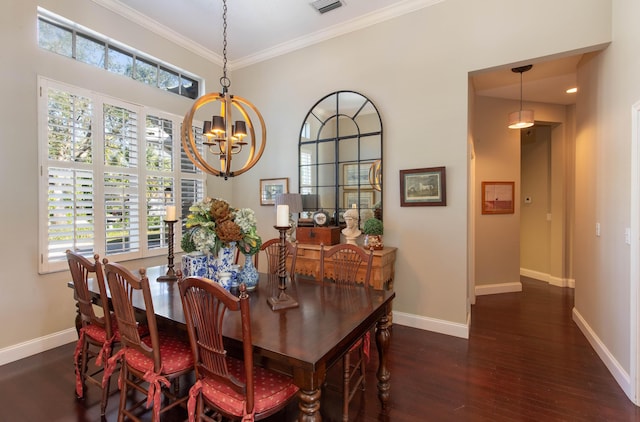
<point>293,200</point>
<point>521,119</point>
<point>310,202</point>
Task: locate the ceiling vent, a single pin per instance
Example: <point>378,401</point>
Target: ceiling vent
<point>323,6</point>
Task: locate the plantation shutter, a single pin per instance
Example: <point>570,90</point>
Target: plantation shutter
<point>121,186</point>
<point>69,179</point>
<point>160,182</point>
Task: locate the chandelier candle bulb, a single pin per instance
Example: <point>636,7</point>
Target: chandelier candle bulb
<point>282,216</point>
<point>170,213</point>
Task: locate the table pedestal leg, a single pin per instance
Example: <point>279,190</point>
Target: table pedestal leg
<point>382,343</point>
<point>309,406</point>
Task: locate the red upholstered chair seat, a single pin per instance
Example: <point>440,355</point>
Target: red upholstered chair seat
<point>271,390</point>
<point>365,343</point>
<point>175,355</point>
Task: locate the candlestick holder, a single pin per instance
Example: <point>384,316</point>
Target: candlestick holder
<point>171,275</point>
<point>283,300</point>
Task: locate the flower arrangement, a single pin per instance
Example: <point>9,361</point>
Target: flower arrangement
<point>213,224</point>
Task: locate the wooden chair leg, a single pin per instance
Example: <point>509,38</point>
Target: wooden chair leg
<point>123,392</point>
<point>105,399</point>
<point>363,369</point>
<point>346,390</point>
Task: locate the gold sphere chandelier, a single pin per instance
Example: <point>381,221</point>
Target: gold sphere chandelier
<point>224,138</point>
<point>375,175</point>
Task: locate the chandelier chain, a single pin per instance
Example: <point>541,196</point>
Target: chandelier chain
<point>224,81</point>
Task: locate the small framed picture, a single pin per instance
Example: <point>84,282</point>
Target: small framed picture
<point>356,174</point>
<point>270,188</point>
<point>423,187</point>
<point>362,201</point>
<point>497,197</point>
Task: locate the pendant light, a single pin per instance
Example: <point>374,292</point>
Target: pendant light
<point>224,138</point>
<point>522,118</point>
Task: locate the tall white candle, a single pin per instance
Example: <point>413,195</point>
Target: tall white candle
<point>170,213</point>
<point>282,216</point>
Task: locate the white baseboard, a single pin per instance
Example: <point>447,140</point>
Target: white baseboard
<point>37,345</point>
<point>432,324</point>
<point>490,289</point>
<point>619,374</point>
<point>548,278</point>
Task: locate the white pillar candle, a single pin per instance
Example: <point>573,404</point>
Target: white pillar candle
<point>282,216</point>
<point>170,213</point>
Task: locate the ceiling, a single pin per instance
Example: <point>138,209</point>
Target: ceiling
<point>546,82</point>
<point>258,30</point>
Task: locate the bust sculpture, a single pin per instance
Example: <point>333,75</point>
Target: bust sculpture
<point>351,232</point>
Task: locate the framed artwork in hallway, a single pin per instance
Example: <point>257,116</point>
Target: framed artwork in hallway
<point>497,197</point>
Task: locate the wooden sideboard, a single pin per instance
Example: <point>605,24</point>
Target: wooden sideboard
<point>382,271</point>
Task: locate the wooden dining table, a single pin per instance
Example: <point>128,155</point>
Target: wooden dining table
<point>304,341</point>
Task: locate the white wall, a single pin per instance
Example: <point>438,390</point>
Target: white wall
<point>609,86</point>
<point>415,70</point>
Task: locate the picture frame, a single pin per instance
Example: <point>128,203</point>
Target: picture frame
<point>498,197</point>
<point>365,201</point>
<point>423,187</point>
<point>269,188</point>
<point>356,174</point>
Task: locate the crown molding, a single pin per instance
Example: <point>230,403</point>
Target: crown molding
<point>355,24</point>
<point>146,22</point>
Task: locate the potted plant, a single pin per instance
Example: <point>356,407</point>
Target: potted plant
<point>373,230</point>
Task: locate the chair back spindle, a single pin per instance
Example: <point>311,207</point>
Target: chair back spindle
<point>271,249</point>
<point>345,261</point>
<point>205,305</point>
<point>124,286</point>
<point>81,269</point>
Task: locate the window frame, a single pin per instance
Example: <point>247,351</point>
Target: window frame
<point>77,31</point>
<point>98,167</point>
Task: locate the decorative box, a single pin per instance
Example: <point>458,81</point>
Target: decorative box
<point>318,235</point>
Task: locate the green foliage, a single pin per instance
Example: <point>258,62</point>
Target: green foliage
<point>373,226</point>
<point>187,244</point>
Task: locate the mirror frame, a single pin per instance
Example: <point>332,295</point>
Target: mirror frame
<point>321,118</point>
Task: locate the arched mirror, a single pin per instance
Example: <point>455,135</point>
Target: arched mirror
<point>340,158</point>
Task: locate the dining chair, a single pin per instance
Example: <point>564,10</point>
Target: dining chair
<point>271,248</point>
<point>226,386</point>
<point>151,365</point>
<point>97,335</point>
<point>340,264</point>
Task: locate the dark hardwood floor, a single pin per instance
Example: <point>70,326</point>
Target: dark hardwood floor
<point>525,360</point>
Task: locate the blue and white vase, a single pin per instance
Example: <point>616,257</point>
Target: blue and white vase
<point>223,262</point>
<point>249,274</point>
<point>198,264</point>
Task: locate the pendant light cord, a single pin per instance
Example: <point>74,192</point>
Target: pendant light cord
<point>521,91</point>
<point>224,81</point>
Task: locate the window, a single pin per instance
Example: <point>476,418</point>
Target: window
<point>109,168</point>
<point>61,36</point>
